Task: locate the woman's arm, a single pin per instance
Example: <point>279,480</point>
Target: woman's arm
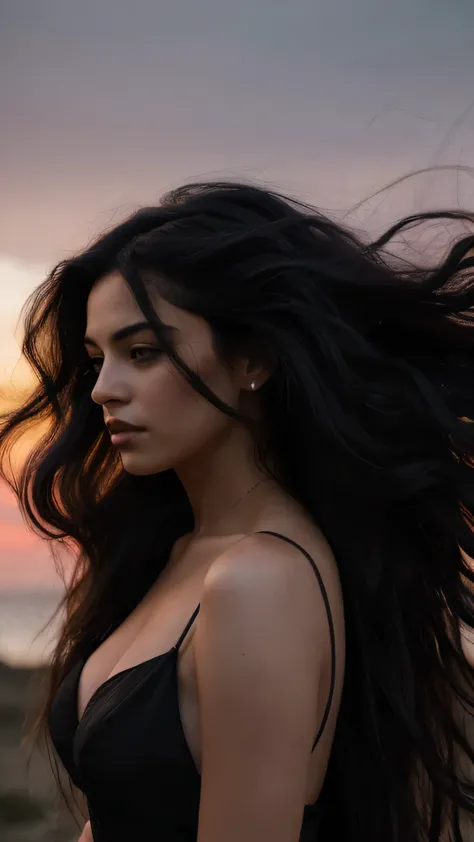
<point>86,835</point>
<point>261,647</point>
<point>81,801</point>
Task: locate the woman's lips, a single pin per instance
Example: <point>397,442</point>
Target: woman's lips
<point>124,437</point>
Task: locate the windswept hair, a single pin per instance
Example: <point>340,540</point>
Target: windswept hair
<point>369,408</point>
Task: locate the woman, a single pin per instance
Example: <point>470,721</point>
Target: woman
<point>260,446</point>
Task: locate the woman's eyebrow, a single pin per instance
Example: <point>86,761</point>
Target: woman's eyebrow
<point>129,330</point>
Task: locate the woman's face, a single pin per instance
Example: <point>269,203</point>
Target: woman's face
<point>137,383</point>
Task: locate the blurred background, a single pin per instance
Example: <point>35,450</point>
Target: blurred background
<point>106,104</point>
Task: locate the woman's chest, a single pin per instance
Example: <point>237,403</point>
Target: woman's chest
<point>151,631</point>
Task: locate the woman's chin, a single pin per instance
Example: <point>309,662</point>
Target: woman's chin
<point>141,465</point>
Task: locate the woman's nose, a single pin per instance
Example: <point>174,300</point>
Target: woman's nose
<point>110,385</point>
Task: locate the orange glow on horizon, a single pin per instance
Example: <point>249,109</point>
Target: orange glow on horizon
<point>25,558</point>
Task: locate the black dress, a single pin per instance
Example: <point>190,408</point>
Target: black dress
<point>128,753</point>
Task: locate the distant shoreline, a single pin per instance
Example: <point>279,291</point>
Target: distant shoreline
<point>23,614</point>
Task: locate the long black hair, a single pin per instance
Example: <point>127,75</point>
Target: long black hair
<point>371,399</point>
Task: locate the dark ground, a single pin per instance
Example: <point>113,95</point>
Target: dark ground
<point>30,809</point>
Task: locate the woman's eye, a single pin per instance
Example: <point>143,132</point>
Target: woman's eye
<point>145,353</point>
<point>93,362</point>
<point>137,354</point>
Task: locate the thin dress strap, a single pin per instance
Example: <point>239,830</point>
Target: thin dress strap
<point>331,627</point>
<point>188,626</point>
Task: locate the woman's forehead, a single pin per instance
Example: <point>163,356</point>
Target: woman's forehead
<point>111,306</point>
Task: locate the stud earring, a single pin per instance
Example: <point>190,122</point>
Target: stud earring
<point>253,385</point>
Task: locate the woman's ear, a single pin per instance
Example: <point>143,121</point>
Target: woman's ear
<point>257,378</point>
<point>251,373</point>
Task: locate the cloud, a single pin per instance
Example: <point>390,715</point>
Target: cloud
<point>18,279</point>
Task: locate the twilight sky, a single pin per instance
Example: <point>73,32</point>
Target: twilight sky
<point>106,104</point>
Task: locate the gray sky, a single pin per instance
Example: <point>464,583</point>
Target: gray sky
<point>108,103</point>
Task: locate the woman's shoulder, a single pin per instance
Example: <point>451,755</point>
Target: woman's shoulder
<point>265,583</point>
<point>274,558</point>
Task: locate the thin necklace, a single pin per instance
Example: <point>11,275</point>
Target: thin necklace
<point>260,482</point>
